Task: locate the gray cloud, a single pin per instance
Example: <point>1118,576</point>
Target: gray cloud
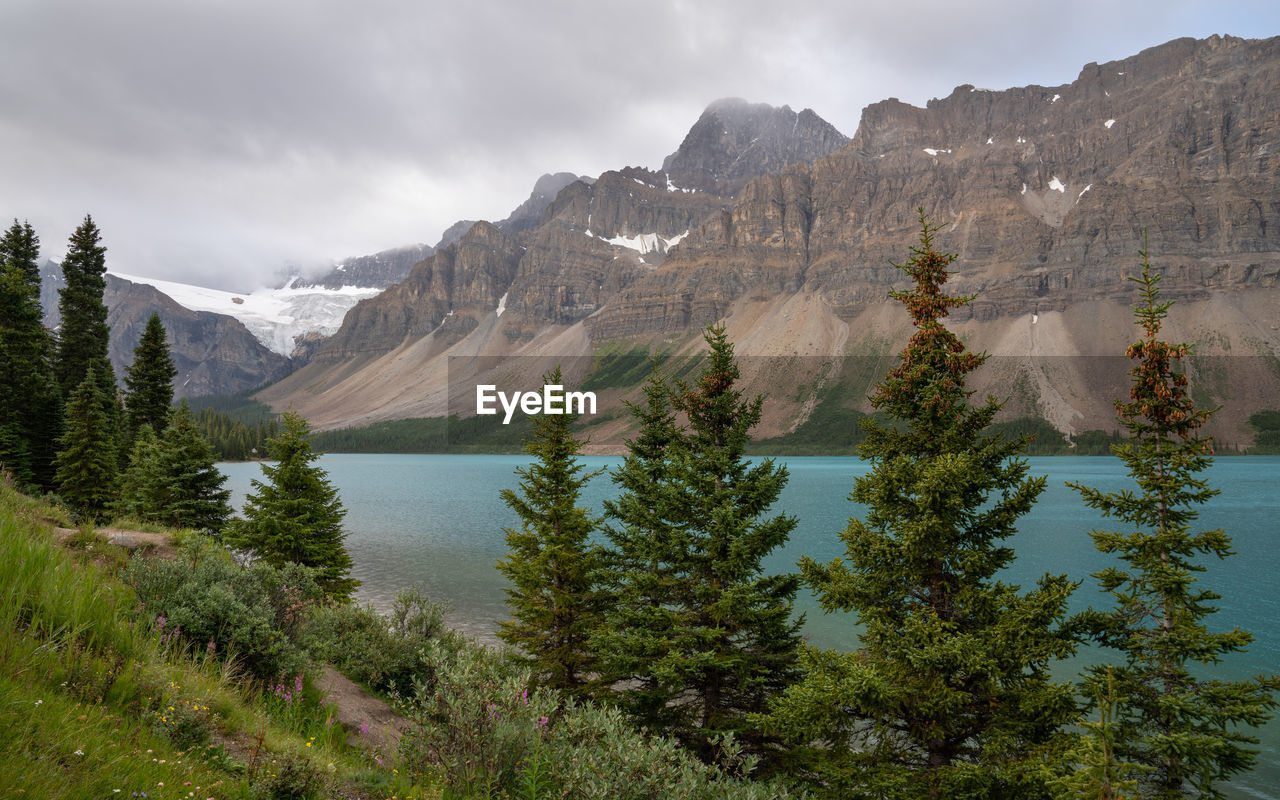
<point>214,141</point>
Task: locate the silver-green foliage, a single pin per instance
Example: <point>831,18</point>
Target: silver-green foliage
<point>482,731</point>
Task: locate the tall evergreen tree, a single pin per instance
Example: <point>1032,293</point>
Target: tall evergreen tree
<point>29,407</point>
<point>86,462</point>
<point>949,695</point>
<point>83,332</point>
<point>149,379</point>
<point>639,572</point>
<point>712,639</point>
<point>552,565</point>
<point>189,493</point>
<point>296,515</point>
<point>1182,728</point>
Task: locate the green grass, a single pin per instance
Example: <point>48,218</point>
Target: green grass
<point>94,705</point>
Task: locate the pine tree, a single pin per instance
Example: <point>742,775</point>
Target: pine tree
<point>552,565</point>
<point>1095,770</point>
<point>949,695</point>
<point>141,479</point>
<point>700,632</point>
<point>83,333</point>
<point>1179,726</point>
<point>86,462</point>
<point>189,491</point>
<point>29,407</point>
<point>296,515</point>
<point>638,572</point>
<point>149,379</point>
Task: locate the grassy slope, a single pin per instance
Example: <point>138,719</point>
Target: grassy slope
<point>91,699</point>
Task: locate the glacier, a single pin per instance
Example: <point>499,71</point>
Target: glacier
<point>274,316</point>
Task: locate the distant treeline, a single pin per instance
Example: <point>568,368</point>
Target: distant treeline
<point>1267,424</point>
<point>832,430</point>
<point>433,435</point>
<point>236,427</point>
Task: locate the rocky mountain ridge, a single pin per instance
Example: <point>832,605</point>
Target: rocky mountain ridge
<point>594,237</point>
<point>1045,192</point>
<point>734,141</point>
<point>214,353</point>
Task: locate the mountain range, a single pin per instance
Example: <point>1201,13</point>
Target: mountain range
<point>772,221</point>
<point>784,228</point>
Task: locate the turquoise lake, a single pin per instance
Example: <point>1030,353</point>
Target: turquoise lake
<point>437,521</point>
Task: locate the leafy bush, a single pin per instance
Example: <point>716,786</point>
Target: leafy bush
<point>478,721</point>
<point>254,614</point>
<point>482,732</point>
<point>380,652</point>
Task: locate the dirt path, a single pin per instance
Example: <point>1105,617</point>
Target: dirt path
<point>156,545</point>
<point>372,723</point>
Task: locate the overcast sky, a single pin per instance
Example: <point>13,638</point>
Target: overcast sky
<point>215,140</point>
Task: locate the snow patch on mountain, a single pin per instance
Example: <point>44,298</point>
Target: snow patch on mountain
<point>274,316</point>
<point>646,242</point>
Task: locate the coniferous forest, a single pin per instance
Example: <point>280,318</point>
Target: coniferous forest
<point>648,651</point>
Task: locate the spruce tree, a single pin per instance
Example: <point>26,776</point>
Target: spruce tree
<point>188,493</point>
<point>86,462</point>
<point>639,573</point>
<point>1094,770</point>
<point>141,479</point>
<point>552,565</point>
<point>30,412</point>
<point>949,695</point>
<point>149,379</point>
<point>700,635</point>
<point>296,514</point>
<point>83,333</point>
<point>1181,727</point>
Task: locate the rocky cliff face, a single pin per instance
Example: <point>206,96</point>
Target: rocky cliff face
<point>444,295</point>
<point>591,240</point>
<point>1046,193</point>
<point>214,353</point>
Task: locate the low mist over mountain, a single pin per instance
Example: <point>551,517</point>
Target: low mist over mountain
<point>1045,193</point>
<point>734,141</point>
<point>379,270</point>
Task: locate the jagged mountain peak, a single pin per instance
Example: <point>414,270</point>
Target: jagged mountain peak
<point>530,213</point>
<point>735,140</point>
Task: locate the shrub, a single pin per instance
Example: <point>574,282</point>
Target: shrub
<point>187,723</point>
<point>478,721</point>
<point>254,615</point>
<point>381,652</point>
<point>483,733</point>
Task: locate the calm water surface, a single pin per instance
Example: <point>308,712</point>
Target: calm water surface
<point>437,520</point>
